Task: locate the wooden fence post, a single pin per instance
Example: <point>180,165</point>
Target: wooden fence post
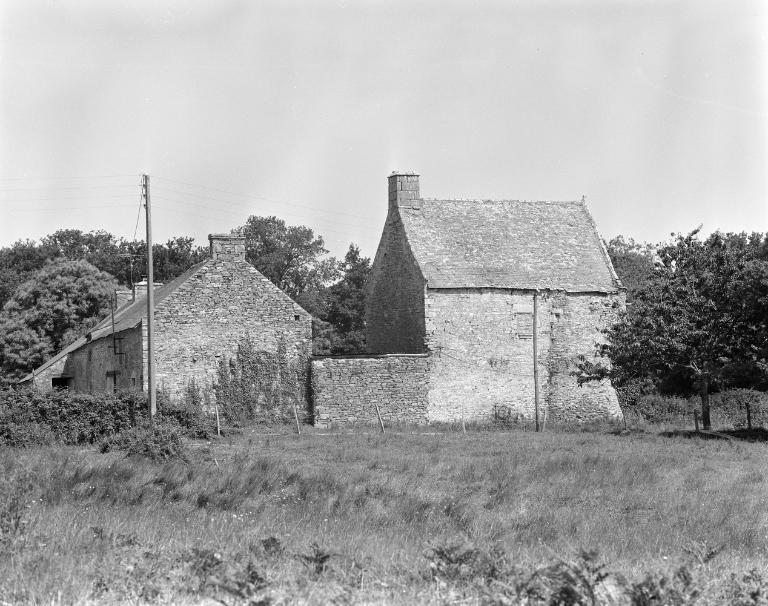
<point>378,414</point>
<point>296,416</point>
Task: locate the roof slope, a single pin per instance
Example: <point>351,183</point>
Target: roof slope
<point>508,244</point>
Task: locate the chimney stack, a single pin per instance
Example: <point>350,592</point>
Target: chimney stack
<point>403,190</point>
<point>227,246</point>
<point>140,288</point>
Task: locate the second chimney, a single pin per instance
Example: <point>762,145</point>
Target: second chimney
<point>403,190</point>
<point>140,288</point>
<point>227,246</point>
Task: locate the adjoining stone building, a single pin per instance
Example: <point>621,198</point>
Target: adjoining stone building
<point>449,315</point>
<point>201,318</point>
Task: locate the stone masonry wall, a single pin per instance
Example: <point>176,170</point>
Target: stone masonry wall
<point>395,302</point>
<point>42,380</point>
<point>204,320</point>
<point>576,331</point>
<point>482,347</point>
<point>346,390</point>
<point>92,363</point>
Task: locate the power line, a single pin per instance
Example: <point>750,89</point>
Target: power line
<point>135,229</point>
<point>206,207</point>
<point>252,197</point>
<point>22,210</point>
<point>67,178</point>
<point>68,198</point>
<point>76,187</point>
<point>214,212</point>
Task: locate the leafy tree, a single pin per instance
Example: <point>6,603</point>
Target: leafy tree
<point>46,313</point>
<point>174,257</point>
<point>345,303</point>
<point>699,323</point>
<point>18,262</point>
<point>292,258</point>
<point>100,248</point>
<point>632,261</point>
<point>126,260</point>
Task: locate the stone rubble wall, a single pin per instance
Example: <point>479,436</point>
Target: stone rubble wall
<point>345,391</point>
<point>223,303</point>
<point>482,365</point>
<point>90,365</point>
<point>577,331</point>
<point>482,344</point>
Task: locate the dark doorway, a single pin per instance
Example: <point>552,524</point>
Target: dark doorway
<point>61,382</point>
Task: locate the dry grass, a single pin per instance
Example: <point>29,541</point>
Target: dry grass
<point>104,528</point>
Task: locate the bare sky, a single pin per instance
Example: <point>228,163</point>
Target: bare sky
<point>655,111</point>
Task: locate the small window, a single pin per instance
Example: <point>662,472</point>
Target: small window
<point>297,317</point>
<point>524,324</point>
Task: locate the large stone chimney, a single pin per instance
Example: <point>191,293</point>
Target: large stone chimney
<point>403,190</point>
<point>227,246</point>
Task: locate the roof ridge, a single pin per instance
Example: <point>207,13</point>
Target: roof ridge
<point>491,200</point>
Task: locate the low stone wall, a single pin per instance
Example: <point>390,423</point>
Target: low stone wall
<point>346,390</point>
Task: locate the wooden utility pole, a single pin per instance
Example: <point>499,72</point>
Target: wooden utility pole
<point>536,357</point>
<point>151,393</point>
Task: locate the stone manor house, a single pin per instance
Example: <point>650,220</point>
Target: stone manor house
<point>200,319</point>
<point>450,318</point>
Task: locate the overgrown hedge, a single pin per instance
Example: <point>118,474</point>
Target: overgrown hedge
<point>729,408</point>
<point>29,417</point>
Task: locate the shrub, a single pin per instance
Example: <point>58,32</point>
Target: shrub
<point>29,417</point>
<point>259,385</point>
<point>160,442</point>
<point>188,412</point>
<point>730,407</point>
<point>655,408</point>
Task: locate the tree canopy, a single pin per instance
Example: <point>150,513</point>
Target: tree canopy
<point>345,304</point>
<point>59,303</point>
<point>292,257</point>
<point>124,259</point>
<point>633,262</point>
<point>700,320</point>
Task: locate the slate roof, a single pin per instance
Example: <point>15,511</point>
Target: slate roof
<point>128,316</point>
<point>508,244</point>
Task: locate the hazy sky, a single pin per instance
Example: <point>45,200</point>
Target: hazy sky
<point>655,111</point>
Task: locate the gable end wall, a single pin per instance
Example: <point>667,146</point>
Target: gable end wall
<point>395,302</point>
<point>212,312</point>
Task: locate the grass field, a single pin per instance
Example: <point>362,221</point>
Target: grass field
<point>369,518</point>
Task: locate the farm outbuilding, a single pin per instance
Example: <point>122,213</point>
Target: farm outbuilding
<point>450,314</point>
<point>201,318</point>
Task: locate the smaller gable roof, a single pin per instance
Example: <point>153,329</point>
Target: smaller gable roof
<point>508,244</point>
